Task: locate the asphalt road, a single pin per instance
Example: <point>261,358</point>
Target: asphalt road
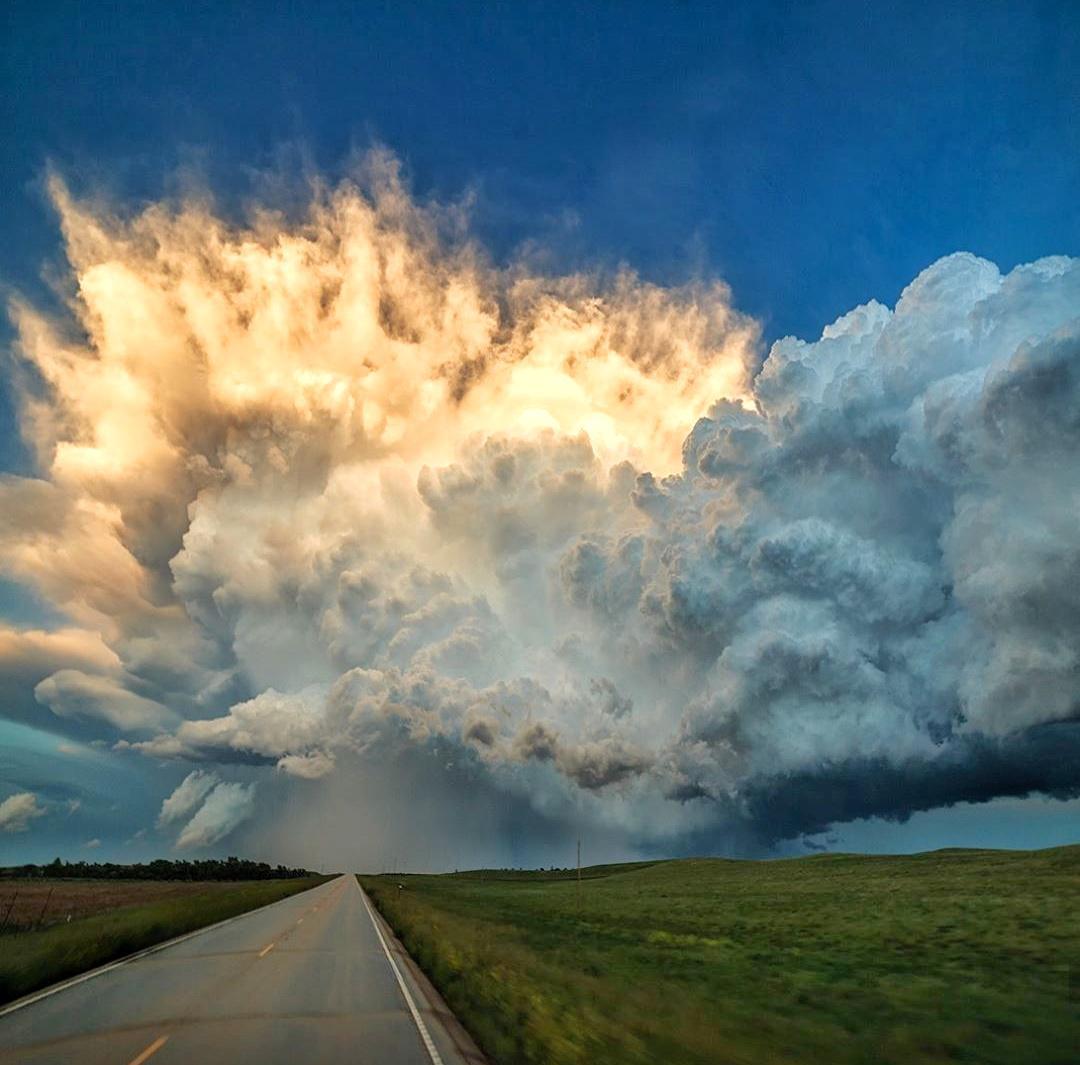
<point>304,981</point>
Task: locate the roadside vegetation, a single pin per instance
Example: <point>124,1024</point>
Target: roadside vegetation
<point>129,916</point>
<point>969,956</point>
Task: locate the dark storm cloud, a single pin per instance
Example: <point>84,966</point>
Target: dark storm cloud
<point>1044,759</point>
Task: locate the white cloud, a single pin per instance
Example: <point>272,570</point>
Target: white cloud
<point>18,810</point>
<point>72,693</point>
<point>186,797</point>
<point>225,808</point>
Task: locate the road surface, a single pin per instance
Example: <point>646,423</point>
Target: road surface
<point>304,981</point>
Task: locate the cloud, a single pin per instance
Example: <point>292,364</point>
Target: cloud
<point>225,808</point>
<point>189,793</point>
<point>18,810</point>
<point>31,651</point>
<point>29,656</point>
<point>338,491</point>
<point>72,693</point>
<point>310,766</point>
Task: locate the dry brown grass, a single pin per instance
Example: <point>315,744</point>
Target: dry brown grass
<point>40,903</point>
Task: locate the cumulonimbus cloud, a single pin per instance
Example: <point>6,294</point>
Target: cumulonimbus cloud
<point>342,485</point>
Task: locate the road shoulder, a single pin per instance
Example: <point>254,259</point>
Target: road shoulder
<point>454,1043</point>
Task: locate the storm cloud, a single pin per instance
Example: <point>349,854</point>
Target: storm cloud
<point>336,492</point>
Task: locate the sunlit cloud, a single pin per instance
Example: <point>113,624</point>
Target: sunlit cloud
<point>325,491</point>
<point>225,807</point>
<point>18,810</point>
<point>187,796</point>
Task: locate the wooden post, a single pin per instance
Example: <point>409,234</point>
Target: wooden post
<point>48,899</point>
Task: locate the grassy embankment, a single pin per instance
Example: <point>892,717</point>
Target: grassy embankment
<point>35,959</point>
<point>943,957</point>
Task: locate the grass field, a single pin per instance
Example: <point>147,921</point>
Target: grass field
<point>969,956</point>
<point>33,959</point>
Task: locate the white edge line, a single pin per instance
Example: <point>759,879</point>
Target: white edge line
<point>37,996</point>
<point>425,1035</point>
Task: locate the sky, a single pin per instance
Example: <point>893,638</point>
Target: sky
<point>429,436</point>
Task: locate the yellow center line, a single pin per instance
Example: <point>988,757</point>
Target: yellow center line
<point>152,1049</point>
<point>262,954</point>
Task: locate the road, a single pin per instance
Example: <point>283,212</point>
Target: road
<point>304,981</point>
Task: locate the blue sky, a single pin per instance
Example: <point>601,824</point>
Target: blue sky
<point>812,155</point>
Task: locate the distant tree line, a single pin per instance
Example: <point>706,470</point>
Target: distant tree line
<point>160,869</point>
<point>587,872</point>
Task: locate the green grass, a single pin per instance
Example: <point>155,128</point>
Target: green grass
<point>32,960</point>
<point>952,956</point>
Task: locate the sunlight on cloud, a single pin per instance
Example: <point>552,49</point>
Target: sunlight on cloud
<point>18,810</point>
<point>328,491</point>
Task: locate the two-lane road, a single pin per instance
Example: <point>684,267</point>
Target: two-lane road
<point>306,980</point>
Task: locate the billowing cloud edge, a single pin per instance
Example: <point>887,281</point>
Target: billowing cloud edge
<point>358,491</point>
